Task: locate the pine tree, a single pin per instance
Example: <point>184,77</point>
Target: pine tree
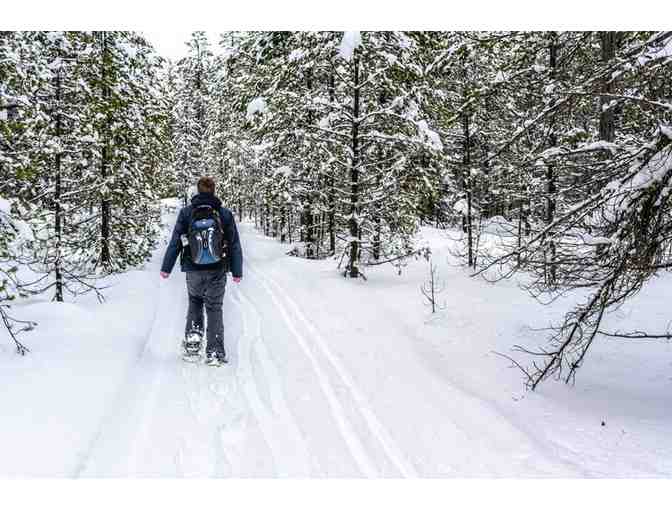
<point>190,120</point>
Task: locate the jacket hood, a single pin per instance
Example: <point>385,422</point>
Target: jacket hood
<point>206,199</point>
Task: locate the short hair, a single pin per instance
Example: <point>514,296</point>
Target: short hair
<point>206,185</point>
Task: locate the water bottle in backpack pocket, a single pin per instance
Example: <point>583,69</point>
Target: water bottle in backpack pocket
<point>206,236</point>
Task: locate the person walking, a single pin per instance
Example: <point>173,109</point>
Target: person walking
<point>206,237</point>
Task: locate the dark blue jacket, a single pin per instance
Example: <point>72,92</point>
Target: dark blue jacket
<point>174,248</point>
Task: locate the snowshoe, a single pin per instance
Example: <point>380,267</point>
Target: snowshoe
<point>215,359</point>
<point>191,358</point>
<point>191,346</point>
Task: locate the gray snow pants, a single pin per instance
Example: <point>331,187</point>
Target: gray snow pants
<point>206,288</point>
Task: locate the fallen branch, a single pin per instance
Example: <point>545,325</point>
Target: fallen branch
<point>421,251</point>
<point>638,335</point>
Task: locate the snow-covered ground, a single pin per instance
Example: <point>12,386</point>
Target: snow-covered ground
<point>328,377</point>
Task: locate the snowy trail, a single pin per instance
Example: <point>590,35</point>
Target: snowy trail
<point>286,405</point>
<point>171,418</point>
<point>178,419</point>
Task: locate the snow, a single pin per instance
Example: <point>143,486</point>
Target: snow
<point>285,171</point>
<point>405,42</point>
<point>5,206</point>
<point>257,105</point>
<point>324,122</point>
<point>663,51</point>
<point>666,131</point>
<point>129,49</point>
<point>595,240</point>
<point>430,135</point>
<point>499,77</point>
<point>461,206</point>
<point>659,165</point>
<point>57,63</point>
<point>329,377</point>
<point>296,55</point>
<point>350,42</point>
<point>600,145</point>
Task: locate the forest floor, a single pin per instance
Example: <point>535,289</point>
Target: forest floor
<point>329,377</point>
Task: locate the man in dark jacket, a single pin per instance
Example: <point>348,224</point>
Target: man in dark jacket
<point>205,283</point>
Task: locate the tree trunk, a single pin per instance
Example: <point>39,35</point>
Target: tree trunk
<point>608,43</point>
<point>354,177</point>
<point>283,216</point>
<point>551,188</point>
<point>377,220</point>
<point>377,217</point>
<point>57,195</point>
<point>289,226</point>
<point>466,161</point>
<point>332,182</point>
<point>308,209</point>
<point>105,162</point>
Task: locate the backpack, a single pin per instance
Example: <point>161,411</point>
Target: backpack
<point>206,236</point>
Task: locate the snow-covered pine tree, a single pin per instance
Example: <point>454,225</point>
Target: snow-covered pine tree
<point>87,158</point>
<point>13,233</point>
<point>129,119</point>
<point>190,120</point>
<point>59,141</point>
<point>375,125</point>
<point>168,85</point>
<point>226,150</point>
<point>19,83</point>
<point>610,230</point>
<point>299,98</point>
<point>461,96</point>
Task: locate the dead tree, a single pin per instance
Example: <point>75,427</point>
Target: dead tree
<point>432,288</point>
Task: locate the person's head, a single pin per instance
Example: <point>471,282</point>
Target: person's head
<point>205,185</point>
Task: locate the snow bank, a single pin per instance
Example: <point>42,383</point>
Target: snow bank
<point>350,42</point>
<point>56,397</point>
<point>452,406</point>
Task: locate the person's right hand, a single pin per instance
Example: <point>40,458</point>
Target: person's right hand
<point>164,275</point>
<point>237,279</point>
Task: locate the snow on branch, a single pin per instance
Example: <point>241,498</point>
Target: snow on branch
<point>350,42</point>
<point>257,105</point>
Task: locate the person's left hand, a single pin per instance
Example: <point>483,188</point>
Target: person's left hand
<point>237,279</point>
<point>164,275</point>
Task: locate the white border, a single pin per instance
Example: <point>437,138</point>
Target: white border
<point>337,494</point>
<point>336,14</point>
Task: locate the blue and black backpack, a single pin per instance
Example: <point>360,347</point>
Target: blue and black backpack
<point>206,236</point>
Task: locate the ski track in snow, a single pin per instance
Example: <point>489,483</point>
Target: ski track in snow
<point>280,431</point>
<point>376,428</point>
<point>346,428</point>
